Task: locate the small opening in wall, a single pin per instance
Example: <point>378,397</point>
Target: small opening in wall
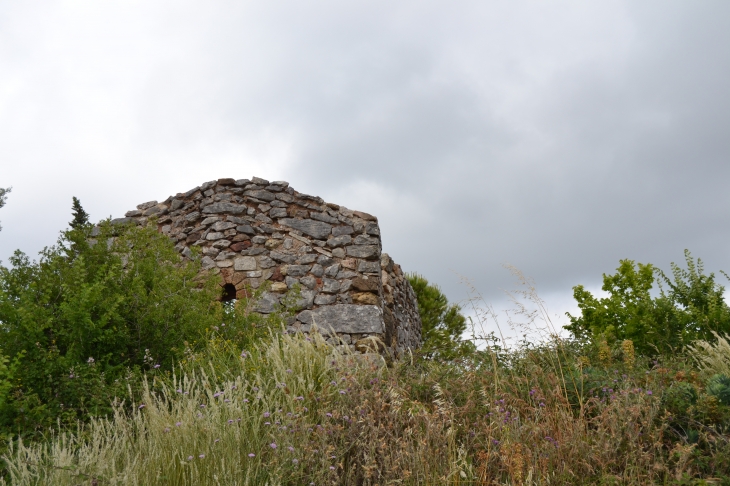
<point>229,293</point>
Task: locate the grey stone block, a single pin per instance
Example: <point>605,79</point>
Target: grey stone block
<point>122,221</point>
<point>222,226</point>
<point>245,263</point>
<point>246,229</point>
<point>365,240</point>
<point>339,241</point>
<point>225,207</point>
<point>282,257</point>
<point>315,229</point>
<point>306,258</point>
<point>325,299</point>
<point>368,267</point>
<point>372,229</point>
<point>367,252</point>
<point>342,230</point>
<point>297,270</point>
<point>309,282</point>
<point>267,303</point>
<point>324,217</point>
<point>330,286</point>
<point>317,270</point>
<point>260,194</point>
<point>345,318</point>
<point>214,236</point>
<point>277,213</point>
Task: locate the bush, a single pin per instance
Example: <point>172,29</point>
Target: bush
<point>294,411</point>
<point>95,312</point>
<point>692,308</point>
<point>442,323</point>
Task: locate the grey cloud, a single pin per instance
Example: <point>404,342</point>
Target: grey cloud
<point>559,139</point>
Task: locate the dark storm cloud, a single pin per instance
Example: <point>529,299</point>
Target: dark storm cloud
<point>558,137</point>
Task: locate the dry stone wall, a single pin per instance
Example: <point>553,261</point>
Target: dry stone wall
<point>256,231</point>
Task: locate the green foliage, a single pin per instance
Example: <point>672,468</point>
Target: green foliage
<point>719,386</point>
<point>3,198</point>
<point>692,308</point>
<point>294,410</point>
<point>93,313</point>
<point>679,397</point>
<point>443,324</point>
<point>81,217</point>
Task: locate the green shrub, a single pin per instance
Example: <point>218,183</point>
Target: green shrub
<point>442,323</point>
<point>92,314</point>
<point>719,386</point>
<point>692,308</point>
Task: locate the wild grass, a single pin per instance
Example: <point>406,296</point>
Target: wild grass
<point>294,410</point>
<point>713,357</point>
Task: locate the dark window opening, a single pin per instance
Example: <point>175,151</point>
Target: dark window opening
<point>229,293</point>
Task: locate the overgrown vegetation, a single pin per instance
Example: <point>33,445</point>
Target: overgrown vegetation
<point>691,307</point>
<point>443,323</point>
<point>82,324</point>
<point>182,389</point>
<point>293,410</point>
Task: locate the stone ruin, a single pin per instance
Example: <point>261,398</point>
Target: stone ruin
<point>256,231</point>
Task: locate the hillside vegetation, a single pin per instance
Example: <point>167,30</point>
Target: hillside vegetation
<point>120,367</point>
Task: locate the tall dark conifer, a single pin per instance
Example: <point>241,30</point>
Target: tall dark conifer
<point>81,217</point>
<point>443,324</point>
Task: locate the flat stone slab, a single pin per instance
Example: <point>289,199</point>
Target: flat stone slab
<point>345,318</point>
<point>225,207</point>
<point>315,229</point>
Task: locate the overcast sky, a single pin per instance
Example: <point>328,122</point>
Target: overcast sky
<point>555,136</point>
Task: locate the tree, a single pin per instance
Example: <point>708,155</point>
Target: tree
<point>3,198</point>
<point>442,323</point>
<point>691,309</point>
<point>89,313</point>
<point>81,217</point>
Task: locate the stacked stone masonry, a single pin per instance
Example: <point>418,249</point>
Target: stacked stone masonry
<point>254,231</point>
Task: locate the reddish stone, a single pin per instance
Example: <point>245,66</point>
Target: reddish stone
<point>365,216</point>
<point>277,276</point>
<point>243,293</point>
<point>349,263</point>
<point>239,246</point>
<point>226,273</point>
<point>369,285</point>
<point>192,238</point>
<point>237,278</point>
